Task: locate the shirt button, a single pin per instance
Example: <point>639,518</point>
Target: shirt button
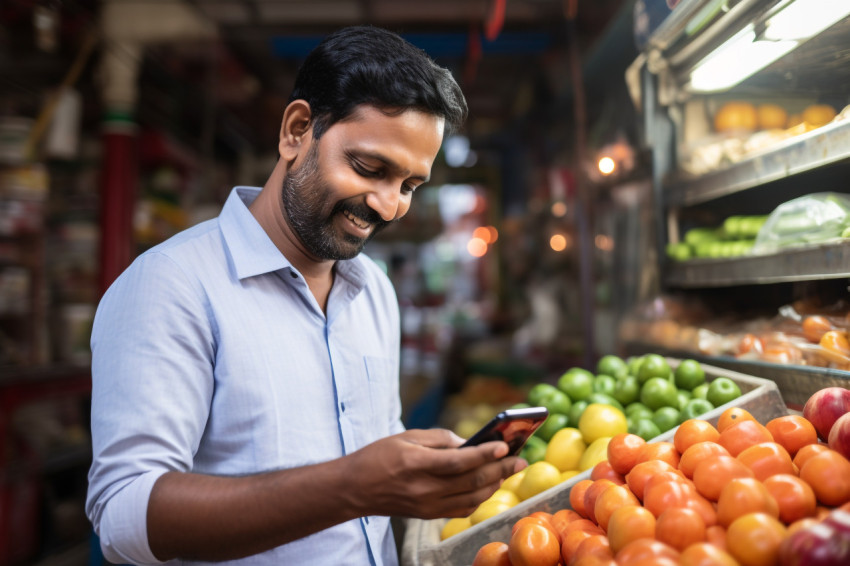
<point>342,407</point>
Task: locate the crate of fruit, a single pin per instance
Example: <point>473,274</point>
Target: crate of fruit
<point>423,544</point>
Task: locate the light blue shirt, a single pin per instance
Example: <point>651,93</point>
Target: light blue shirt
<point>211,355</point>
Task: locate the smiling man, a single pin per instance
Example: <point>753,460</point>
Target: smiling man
<point>245,402</point>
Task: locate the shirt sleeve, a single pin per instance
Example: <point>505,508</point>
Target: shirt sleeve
<point>152,384</point>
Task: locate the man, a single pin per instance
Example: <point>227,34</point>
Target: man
<point>245,397</point>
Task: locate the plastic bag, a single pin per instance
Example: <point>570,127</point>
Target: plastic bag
<point>812,219</point>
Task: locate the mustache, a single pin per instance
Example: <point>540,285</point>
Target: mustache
<point>362,211</point>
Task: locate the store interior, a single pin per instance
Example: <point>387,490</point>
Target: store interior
<point>599,200</point>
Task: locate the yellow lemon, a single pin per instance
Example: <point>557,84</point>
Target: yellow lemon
<point>454,526</point>
<point>505,496</point>
<point>599,420</point>
<point>569,474</point>
<point>595,453</point>
<point>488,508</point>
<point>539,477</point>
<point>512,482</point>
<point>565,449</point>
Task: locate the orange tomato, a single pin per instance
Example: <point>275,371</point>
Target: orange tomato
<point>665,495</point>
<point>562,518</point>
<point>492,554</point>
<point>697,453</point>
<point>594,545</point>
<point>694,431</point>
<point>796,498</point>
<point>806,452</point>
<point>604,470</point>
<point>643,549</point>
<point>731,416</point>
<point>628,524</point>
<point>534,545</point>
<point>680,527</point>
<point>705,554</point>
<point>767,459</point>
<point>662,477</point>
<point>710,476</point>
<point>544,516</point>
<point>592,560</point>
<point>623,451</point>
<point>609,501</point>
<point>664,451</point>
<point>744,495</point>
<point>577,496</point>
<point>572,537</point>
<point>828,473</point>
<point>814,327</point>
<point>715,535</point>
<point>744,434</point>
<point>704,507</point>
<point>754,539</point>
<point>593,492</point>
<point>792,432</point>
<point>531,520</point>
<point>640,474</point>
<point>750,343</point>
<point>835,346</point>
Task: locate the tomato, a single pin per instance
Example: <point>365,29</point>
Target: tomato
<point>609,501</point>
<point>534,545</point>
<point>623,452</point>
<point>697,453</point>
<point>731,416</point>
<point>754,539</point>
<point>744,495</point>
<point>716,536</point>
<point>742,435</point>
<point>680,527</point>
<point>575,534</point>
<point>562,518</point>
<point>492,554</point>
<point>594,545</point>
<point>835,346</point>
<point>530,520</point>
<point>640,474</point>
<point>828,473</point>
<point>710,476</point>
<point>792,432</point>
<point>750,343</point>
<point>643,549</point>
<point>693,431</point>
<point>577,496</point>
<point>604,470</point>
<point>665,451</point>
<point>806,452</point>
<point>796,498</point>
<point>705,554</point>
<point>593,492</point>
<point>661,496</point>
<point>628,524</point>
<point>814,327</point>
<point>767,459</point>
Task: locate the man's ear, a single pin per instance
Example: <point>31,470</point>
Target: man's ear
<point>294,127</point>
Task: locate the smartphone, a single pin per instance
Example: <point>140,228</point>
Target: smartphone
<point>514,426</point>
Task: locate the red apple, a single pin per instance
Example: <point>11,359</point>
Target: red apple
<point>825,406</point>
<point>839,436</point>
<point>826,543</point>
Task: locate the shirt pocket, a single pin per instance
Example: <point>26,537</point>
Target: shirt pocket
<point>380,373</point>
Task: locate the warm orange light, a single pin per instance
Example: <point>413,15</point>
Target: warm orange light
<point>494,234</point>
<point>603,242</point>
<point>487,233</point>
<point>606,165</point>
<point>476,247</point>
<point>558,242</point>
<point>559,209</point>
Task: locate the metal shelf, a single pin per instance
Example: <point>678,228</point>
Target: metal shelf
<point>825,261</point>
<point>824,146</point>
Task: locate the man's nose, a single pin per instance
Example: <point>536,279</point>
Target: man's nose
<point>384,200</point>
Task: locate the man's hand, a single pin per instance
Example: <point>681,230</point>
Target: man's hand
<point>422,473</point>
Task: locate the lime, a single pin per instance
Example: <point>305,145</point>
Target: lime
<point>604,384</point>
<point>694,409</point>
<point>612,365</point>
<point>539,392</point>
<point>554,422</point>
<point>638,410</point>
<point>626,390</point>
<point>575,412</point>
<point>596,452</point>
<point>700,391</point>
<point>689,374</point>
<point>605,399</point>
<point>557,402</point>
<point>601,420</point>
<point>683,397</point>
<point>534,449</point>
<point>577,383</point>
<point>666,418</point>
<point>658,392</point>
<point>645,429</point>
<point>565,449</point>
<point>634,364</point>
<point>539,477</point>
<point>654,365</point>
<point>721,391</point>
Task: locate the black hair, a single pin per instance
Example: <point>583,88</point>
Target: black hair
<point>369,65</point>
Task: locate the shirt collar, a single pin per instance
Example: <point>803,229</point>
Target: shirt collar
<point>251,250</point>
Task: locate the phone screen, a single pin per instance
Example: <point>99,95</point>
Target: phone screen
<point>514,426</point>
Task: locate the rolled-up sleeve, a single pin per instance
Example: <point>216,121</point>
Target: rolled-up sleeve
<point>152,386</point>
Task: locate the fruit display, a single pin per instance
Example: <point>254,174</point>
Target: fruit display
<point>735,491</point>
<point>734,237</point>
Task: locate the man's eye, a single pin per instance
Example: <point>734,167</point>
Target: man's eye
<point>407,188</point>
<point>365,171</point>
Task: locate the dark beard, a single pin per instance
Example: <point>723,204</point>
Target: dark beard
<point>304,197</point>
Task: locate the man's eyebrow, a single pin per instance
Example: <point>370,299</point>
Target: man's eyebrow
<point>389,163</point>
